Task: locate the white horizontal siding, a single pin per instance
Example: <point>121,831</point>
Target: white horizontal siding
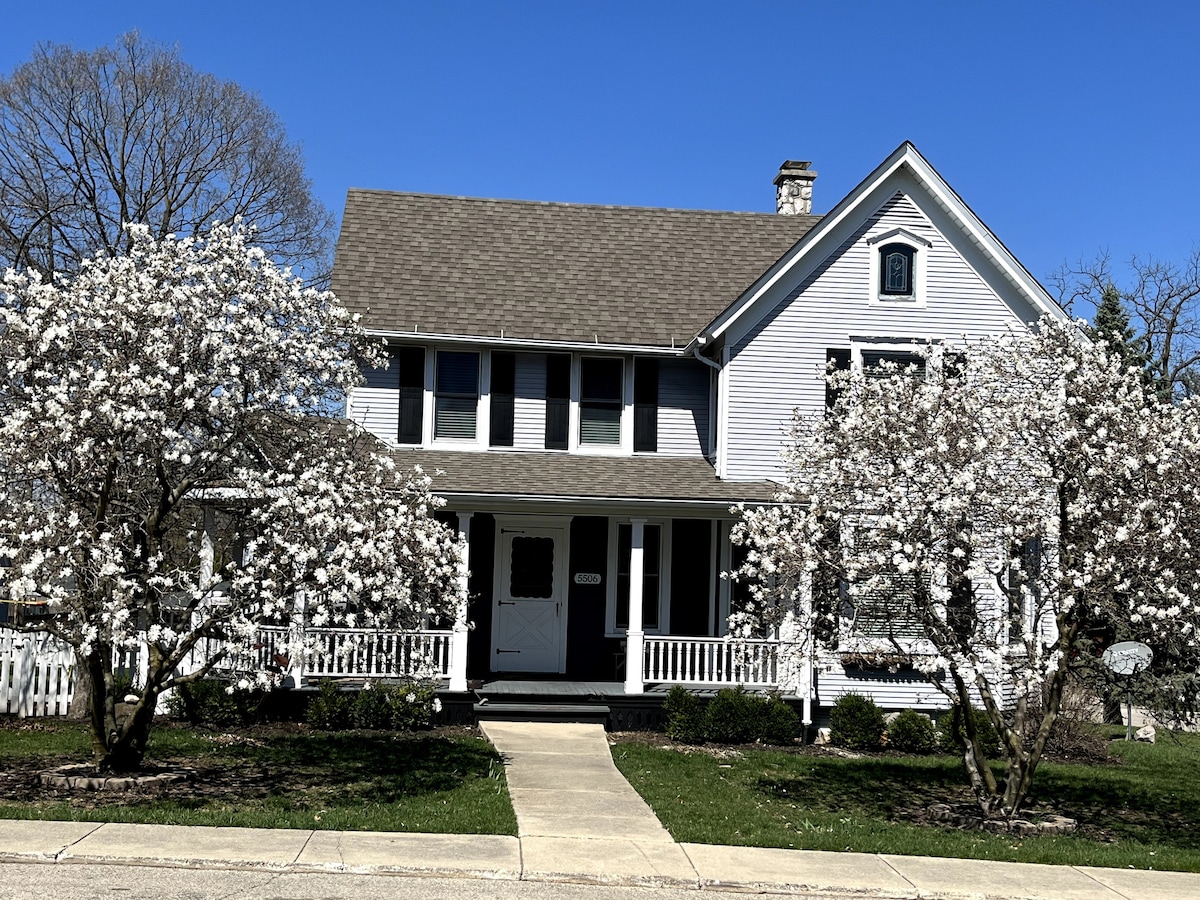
<point>777,367</point>
<point>529,403</point>
<point>904,690</point>
<point>377,410</point>
<point>682,407</point>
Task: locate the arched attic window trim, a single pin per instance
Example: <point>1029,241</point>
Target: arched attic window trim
<point>898,265</point>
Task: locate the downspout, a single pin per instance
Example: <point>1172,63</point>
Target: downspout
<point>696,345</point>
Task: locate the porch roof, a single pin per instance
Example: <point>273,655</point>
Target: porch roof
<point>509,474</point>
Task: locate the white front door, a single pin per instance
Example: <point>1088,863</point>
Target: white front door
<point>530,613</point>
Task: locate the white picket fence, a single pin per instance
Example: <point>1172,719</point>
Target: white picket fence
<point>711,661</point>
<point>35,675</point>
<point>36,671</point>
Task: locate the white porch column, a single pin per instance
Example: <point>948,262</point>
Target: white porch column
<point>458,640</point>
<point>207,553</point>
<point>635,638</point>
<point>802,662</point>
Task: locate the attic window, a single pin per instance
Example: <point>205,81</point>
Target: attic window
<point>896,270</point>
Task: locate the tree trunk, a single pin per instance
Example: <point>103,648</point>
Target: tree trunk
<point>81,692</point>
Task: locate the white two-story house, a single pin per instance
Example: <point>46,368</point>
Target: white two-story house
<point>599,385</point>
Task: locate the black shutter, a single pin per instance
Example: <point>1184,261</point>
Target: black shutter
<point>558,401</point>
<point>411,362</point>
<point>645,405</point>
<point>836,360</point>
<point>503,389</point>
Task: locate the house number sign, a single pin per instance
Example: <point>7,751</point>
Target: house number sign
<point>587,578</point>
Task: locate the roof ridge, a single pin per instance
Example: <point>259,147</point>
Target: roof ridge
<point>581,206</point>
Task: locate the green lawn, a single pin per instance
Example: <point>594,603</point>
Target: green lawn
<point>274,777</point>
<point>1143,811</point>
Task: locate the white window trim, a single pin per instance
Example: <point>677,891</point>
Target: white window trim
<point>625,446</point>
<point>920,247</point>
<point>895,345</point>
<point>482,400</point>
<point>664,579</point>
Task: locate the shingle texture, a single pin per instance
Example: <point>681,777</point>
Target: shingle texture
<point>549,271</point>
<point>551,475</point>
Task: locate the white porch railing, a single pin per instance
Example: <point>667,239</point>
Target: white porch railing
<point>349,653</point>
<point>711,661</point>
<point>36,671</point>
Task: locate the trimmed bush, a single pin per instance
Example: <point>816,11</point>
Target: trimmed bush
<point>912,732</point>
<point>952,738</point>
<point>731,717</point>
<point>684,717</point>
<point>211,702</point>
<point>778,722</point>
<point>855,722</point>
<point>332,709</point>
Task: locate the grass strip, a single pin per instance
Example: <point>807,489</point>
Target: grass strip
<point>274,777</point>
<point>1141,811</point>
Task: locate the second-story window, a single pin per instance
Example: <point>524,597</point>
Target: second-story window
<point>882,363</point>
<point>600,401</point>
<point>456,395</point>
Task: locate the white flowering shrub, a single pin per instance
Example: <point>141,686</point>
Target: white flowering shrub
<point>188,379</point>
<point>994,524</point>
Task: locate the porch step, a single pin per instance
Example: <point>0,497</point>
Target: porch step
<point>541,712</point>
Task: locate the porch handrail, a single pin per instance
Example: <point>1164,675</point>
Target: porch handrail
<point>355,652</point>
<point>711,661</point>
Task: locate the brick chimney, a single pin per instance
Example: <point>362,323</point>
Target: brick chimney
<point>793,188</point>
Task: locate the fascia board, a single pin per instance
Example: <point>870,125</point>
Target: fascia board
<point>852,207</point>
<point>829,222</point>
<point>422,337</point>
<point>580,506</point>
<point>982,236</point>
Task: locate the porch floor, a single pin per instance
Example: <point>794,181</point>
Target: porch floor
<point>520,687</point>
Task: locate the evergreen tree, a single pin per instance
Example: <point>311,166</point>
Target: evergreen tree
<point>1111,324</point>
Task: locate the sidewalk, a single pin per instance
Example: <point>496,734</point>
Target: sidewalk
<point>579,821</point>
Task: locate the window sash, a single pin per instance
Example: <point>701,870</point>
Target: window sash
<point>600,400</point>
<point>456,403</point>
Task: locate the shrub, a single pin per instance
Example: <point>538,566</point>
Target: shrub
<point>855,722</point>
<point>912,732</point>
<point>211,702</point>
<point>396,707</point>
<point>778,722</point>
<point>413,705</point>
<point>952,738</point>
<point>684,717</point>
<point>731,717</point>
<point>331,709</point>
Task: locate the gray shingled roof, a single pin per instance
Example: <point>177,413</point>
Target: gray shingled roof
<point>549,271</point>
<point>559,475</point>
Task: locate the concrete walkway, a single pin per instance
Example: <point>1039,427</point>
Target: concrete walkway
<point>578,821</point>
<point>576,814</point>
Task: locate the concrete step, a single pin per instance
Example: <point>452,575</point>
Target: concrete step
<point>541,712</point>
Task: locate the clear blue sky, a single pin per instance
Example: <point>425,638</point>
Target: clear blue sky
<point>1070,127</point>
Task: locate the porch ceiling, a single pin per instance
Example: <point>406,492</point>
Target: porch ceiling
<point>503,474</point>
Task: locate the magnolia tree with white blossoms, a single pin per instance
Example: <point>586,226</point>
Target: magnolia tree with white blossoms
<point>995,523</point>
<point>184,381</point>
